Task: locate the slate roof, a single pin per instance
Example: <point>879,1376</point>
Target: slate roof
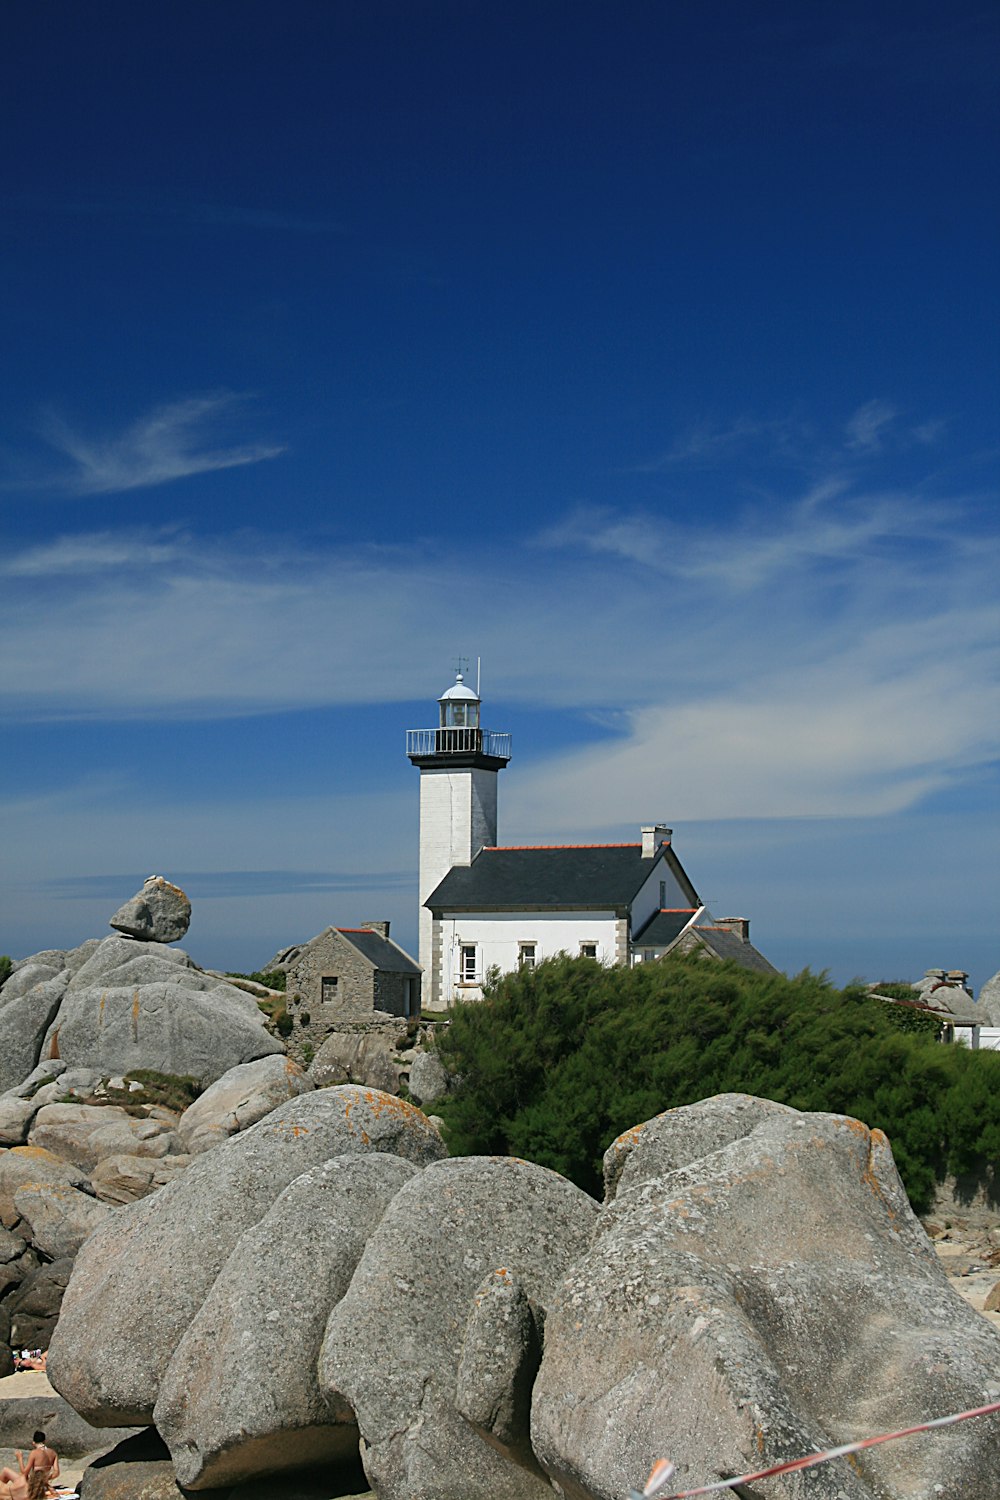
<point>726,944</point>
<point>382,952</point>
<point>663,928</point>
<point>551,878</point>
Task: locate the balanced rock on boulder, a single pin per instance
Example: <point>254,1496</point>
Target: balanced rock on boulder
<point>159,913</point>
<point>142,1005</point>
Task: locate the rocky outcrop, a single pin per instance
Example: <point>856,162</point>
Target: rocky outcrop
<point>239,1099</point>
<point>754,1287</point>
<point>68,1433</point>
<point>428,1079</point>
<point>359,1056</point>
<point>58,1217</point>
<point>137,1469</point>
<point>778,1295</point>
<point>159,913</point>
<point>232,1403</point>
<point>85,1133</point>
<point>140,1005</point>
<point>114,1343</point>
<point>29,1002</point>
<point>34,1307</point>
<point>394,1342</point>
<point>28,1166</point>
<point>123,1179</point>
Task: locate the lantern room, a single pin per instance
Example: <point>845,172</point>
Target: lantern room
<point>459,706</point>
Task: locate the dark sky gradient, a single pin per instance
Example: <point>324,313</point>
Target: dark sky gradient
<point>647,350</point>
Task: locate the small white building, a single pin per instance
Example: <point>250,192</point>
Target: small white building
<point>486,906</point>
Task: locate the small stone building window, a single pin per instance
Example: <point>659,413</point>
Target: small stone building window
<point>588,950</point>
<point>526,955</point>
<point>328,988</point>
<point>467,963</point>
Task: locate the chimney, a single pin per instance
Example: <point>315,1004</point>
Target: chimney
<point>738,925</point>
<point>652,838</point>
<point>957,977</point>
<point>382,928</point>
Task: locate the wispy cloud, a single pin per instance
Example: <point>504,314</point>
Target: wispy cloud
<point>174,441</point>
<point>92,553</point>
<point>706,443</point>
<point>868,425</point>
<point>828,525</point>
<point>834,654</point>
<point>207,885</point>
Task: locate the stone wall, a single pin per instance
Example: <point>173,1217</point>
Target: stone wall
<point>330,954</point>
<point>361,987</point>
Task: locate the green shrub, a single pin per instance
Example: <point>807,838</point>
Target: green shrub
<point>908,1016</point>
<point>168,1090</point>
<point>6,968</point>
<point>557,1061</point>
<point>272,979</point>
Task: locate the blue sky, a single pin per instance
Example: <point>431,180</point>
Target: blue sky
<point>646,351</point>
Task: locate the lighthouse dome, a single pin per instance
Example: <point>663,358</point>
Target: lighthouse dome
<point>459,693</point>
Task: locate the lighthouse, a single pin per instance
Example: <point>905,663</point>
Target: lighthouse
<point>459,762</point>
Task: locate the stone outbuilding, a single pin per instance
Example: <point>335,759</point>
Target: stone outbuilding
<point>349,974</point>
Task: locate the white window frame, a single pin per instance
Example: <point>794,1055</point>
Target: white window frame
<point>527,954</point>
<point>589,944</point>
<point>468,974</point>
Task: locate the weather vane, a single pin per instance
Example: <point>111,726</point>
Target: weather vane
<point>461,665</point>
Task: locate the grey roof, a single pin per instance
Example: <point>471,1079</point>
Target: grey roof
<point>553,878</point>
<point>726,944</point>
<point>663,928</point>
<point>382,952</point>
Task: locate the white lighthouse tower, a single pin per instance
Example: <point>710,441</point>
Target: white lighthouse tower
<point>458,762</point>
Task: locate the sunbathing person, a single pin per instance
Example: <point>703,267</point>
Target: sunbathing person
<point>42,1459</point>
<point>33,1486</point>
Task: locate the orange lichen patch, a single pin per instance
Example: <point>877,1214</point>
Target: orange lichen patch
<point>135,1015</point>
<point>36,1153</point>
<point>758,1438</point>
<point>380,1103</point>
<point>100,1008</point>
<point>628,1138</point>
<point>283,1128</point>
<point>54,1047</point>
<point>502,1271</point>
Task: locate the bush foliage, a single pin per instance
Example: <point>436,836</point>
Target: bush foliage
<point>559,1060</point>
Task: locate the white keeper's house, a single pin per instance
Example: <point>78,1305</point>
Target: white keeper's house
<point>484,905</point>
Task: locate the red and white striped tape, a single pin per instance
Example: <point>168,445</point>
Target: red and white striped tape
<point>663,1471</point>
